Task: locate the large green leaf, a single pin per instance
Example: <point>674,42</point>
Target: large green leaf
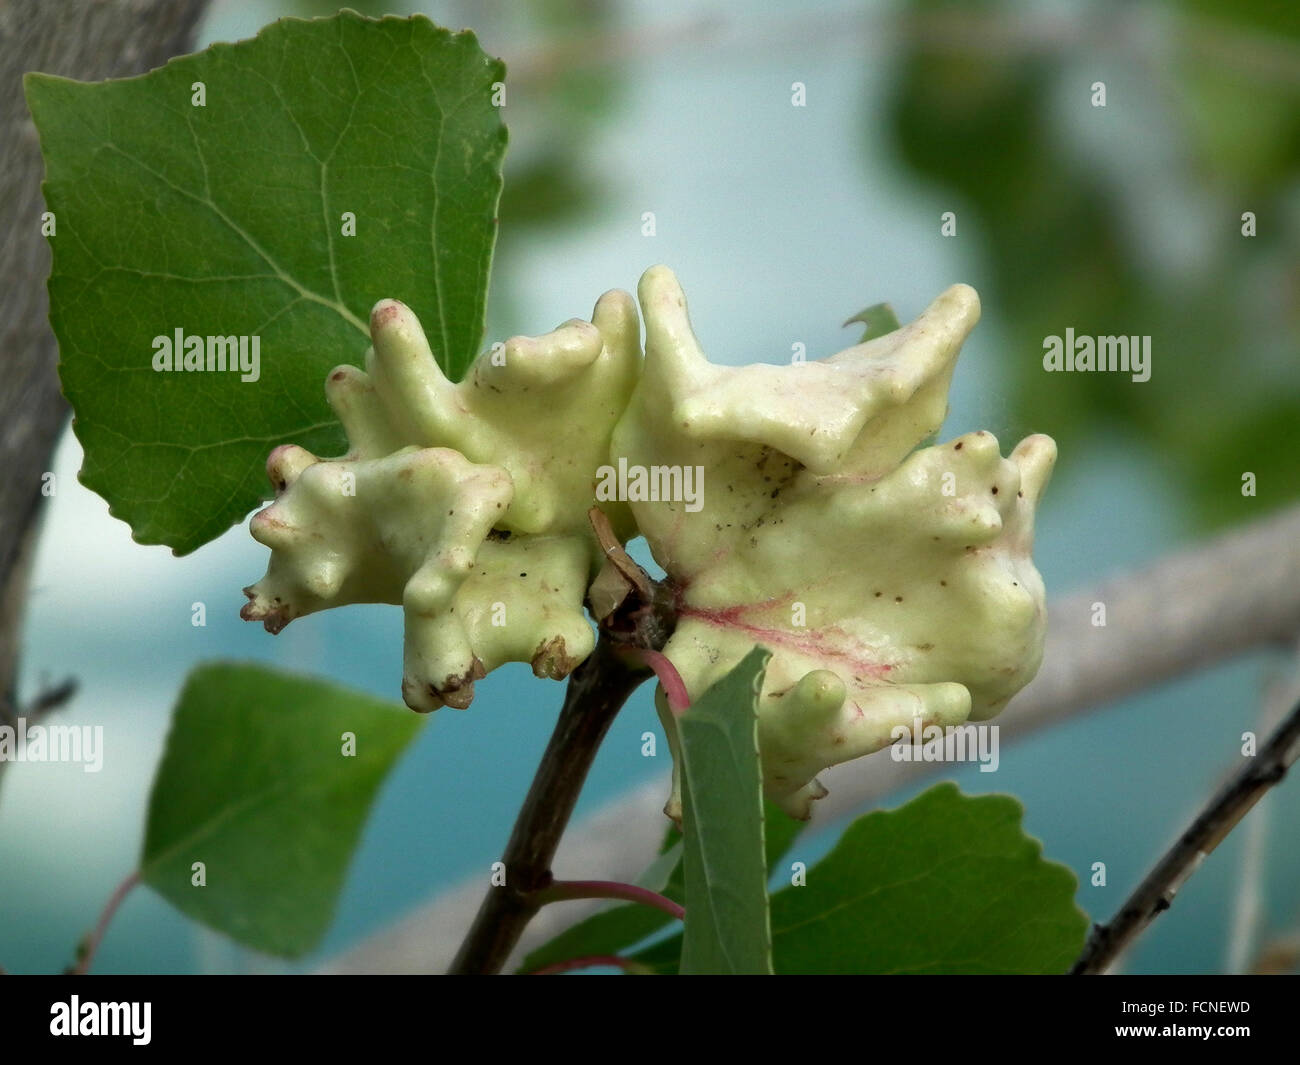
<point>614,930</point>
<point>226,220</point>
<point>945,884</point>
<point>726,926</point>
<point>255,783</point>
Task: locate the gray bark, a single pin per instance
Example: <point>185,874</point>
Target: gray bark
<point>88,40</point>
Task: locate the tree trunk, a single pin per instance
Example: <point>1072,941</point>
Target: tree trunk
<point>88,40</point>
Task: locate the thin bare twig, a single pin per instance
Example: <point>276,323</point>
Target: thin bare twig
<point>564,890</point>
<point>1223,813</point>
<point>46,701</point>
<point>50,699</point>
<point>618,556</point>
<point>1249,905</point>
<point>86,953</point>
<point>679,699</point>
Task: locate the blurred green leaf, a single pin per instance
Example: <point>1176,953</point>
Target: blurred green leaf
<point>549,191</point>
<point>1008,138</point>
<point>879,319</point>
<point>565,94</point>
<point>256,784</point>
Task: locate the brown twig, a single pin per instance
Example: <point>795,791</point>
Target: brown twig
<point>46,701</point>
<point>565,890</point>
<point>86,952</point>
<point>618,556</point>
<point>51,698</point>
<point>1220,816</point>
<point>597,691</point>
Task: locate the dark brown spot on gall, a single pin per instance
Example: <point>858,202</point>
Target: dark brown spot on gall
<point>957,446</point>
<point>385,313</point>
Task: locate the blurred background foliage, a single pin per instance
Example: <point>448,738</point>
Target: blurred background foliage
<point>1151,244</point>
